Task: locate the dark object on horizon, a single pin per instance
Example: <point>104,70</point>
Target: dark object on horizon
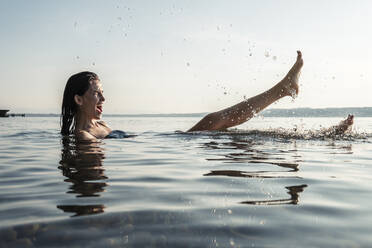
<point>15,115</point>
<point>3,113</point>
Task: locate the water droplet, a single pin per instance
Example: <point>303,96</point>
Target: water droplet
<point>293,94</point>
<point>232,243</point>
<point>126,239</point>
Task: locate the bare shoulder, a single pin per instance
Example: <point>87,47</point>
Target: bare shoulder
<point>84,136</point>
<point>106,127</point>
<point>103,124</point>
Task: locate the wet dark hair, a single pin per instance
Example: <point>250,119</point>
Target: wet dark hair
<point>77,84</point>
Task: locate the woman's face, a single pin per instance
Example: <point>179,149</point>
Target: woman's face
<point>92,101</point>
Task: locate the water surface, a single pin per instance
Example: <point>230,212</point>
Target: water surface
<point>271,183</point>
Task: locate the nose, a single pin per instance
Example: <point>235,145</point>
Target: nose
<point>102,97</point>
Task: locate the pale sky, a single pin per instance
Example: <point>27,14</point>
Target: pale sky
<point>184,56</point>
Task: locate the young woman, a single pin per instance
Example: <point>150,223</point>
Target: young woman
<point>83,105</point>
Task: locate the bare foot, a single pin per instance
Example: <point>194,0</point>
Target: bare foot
<point>290,81</point>
<point>344,125</point>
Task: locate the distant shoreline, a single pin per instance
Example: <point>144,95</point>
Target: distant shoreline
<point>319,112</point>
<point>295,112</point>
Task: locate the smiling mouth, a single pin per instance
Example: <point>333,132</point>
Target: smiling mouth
<point>99,108</point>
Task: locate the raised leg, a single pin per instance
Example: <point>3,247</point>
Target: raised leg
<point>245,110</point>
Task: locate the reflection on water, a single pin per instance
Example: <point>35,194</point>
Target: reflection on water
<point>293,191</point>
<point>82,165</point>
<point>341,149</point>
<point>235,173</point>
<point>82,210</point>
<point>250,154</point>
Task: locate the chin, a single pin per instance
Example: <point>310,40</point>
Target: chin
<point>98,117</point>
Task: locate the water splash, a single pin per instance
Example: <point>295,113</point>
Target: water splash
<point>293,94</point>
<point>285,135</point>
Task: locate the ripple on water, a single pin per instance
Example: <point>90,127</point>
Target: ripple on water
<point>260,188</point>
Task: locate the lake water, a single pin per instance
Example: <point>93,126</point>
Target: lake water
<point>271,183</point>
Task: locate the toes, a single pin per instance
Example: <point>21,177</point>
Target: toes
<point>299,54</point>
<point>350,118</point>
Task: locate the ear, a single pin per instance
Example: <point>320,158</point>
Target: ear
<point>78,100</point>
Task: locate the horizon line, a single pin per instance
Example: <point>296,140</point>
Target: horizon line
<point>199,113</point>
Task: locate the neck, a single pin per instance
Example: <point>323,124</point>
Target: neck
<point>82,122</point>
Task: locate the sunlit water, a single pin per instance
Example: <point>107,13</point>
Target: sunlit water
<point>271,183</point>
